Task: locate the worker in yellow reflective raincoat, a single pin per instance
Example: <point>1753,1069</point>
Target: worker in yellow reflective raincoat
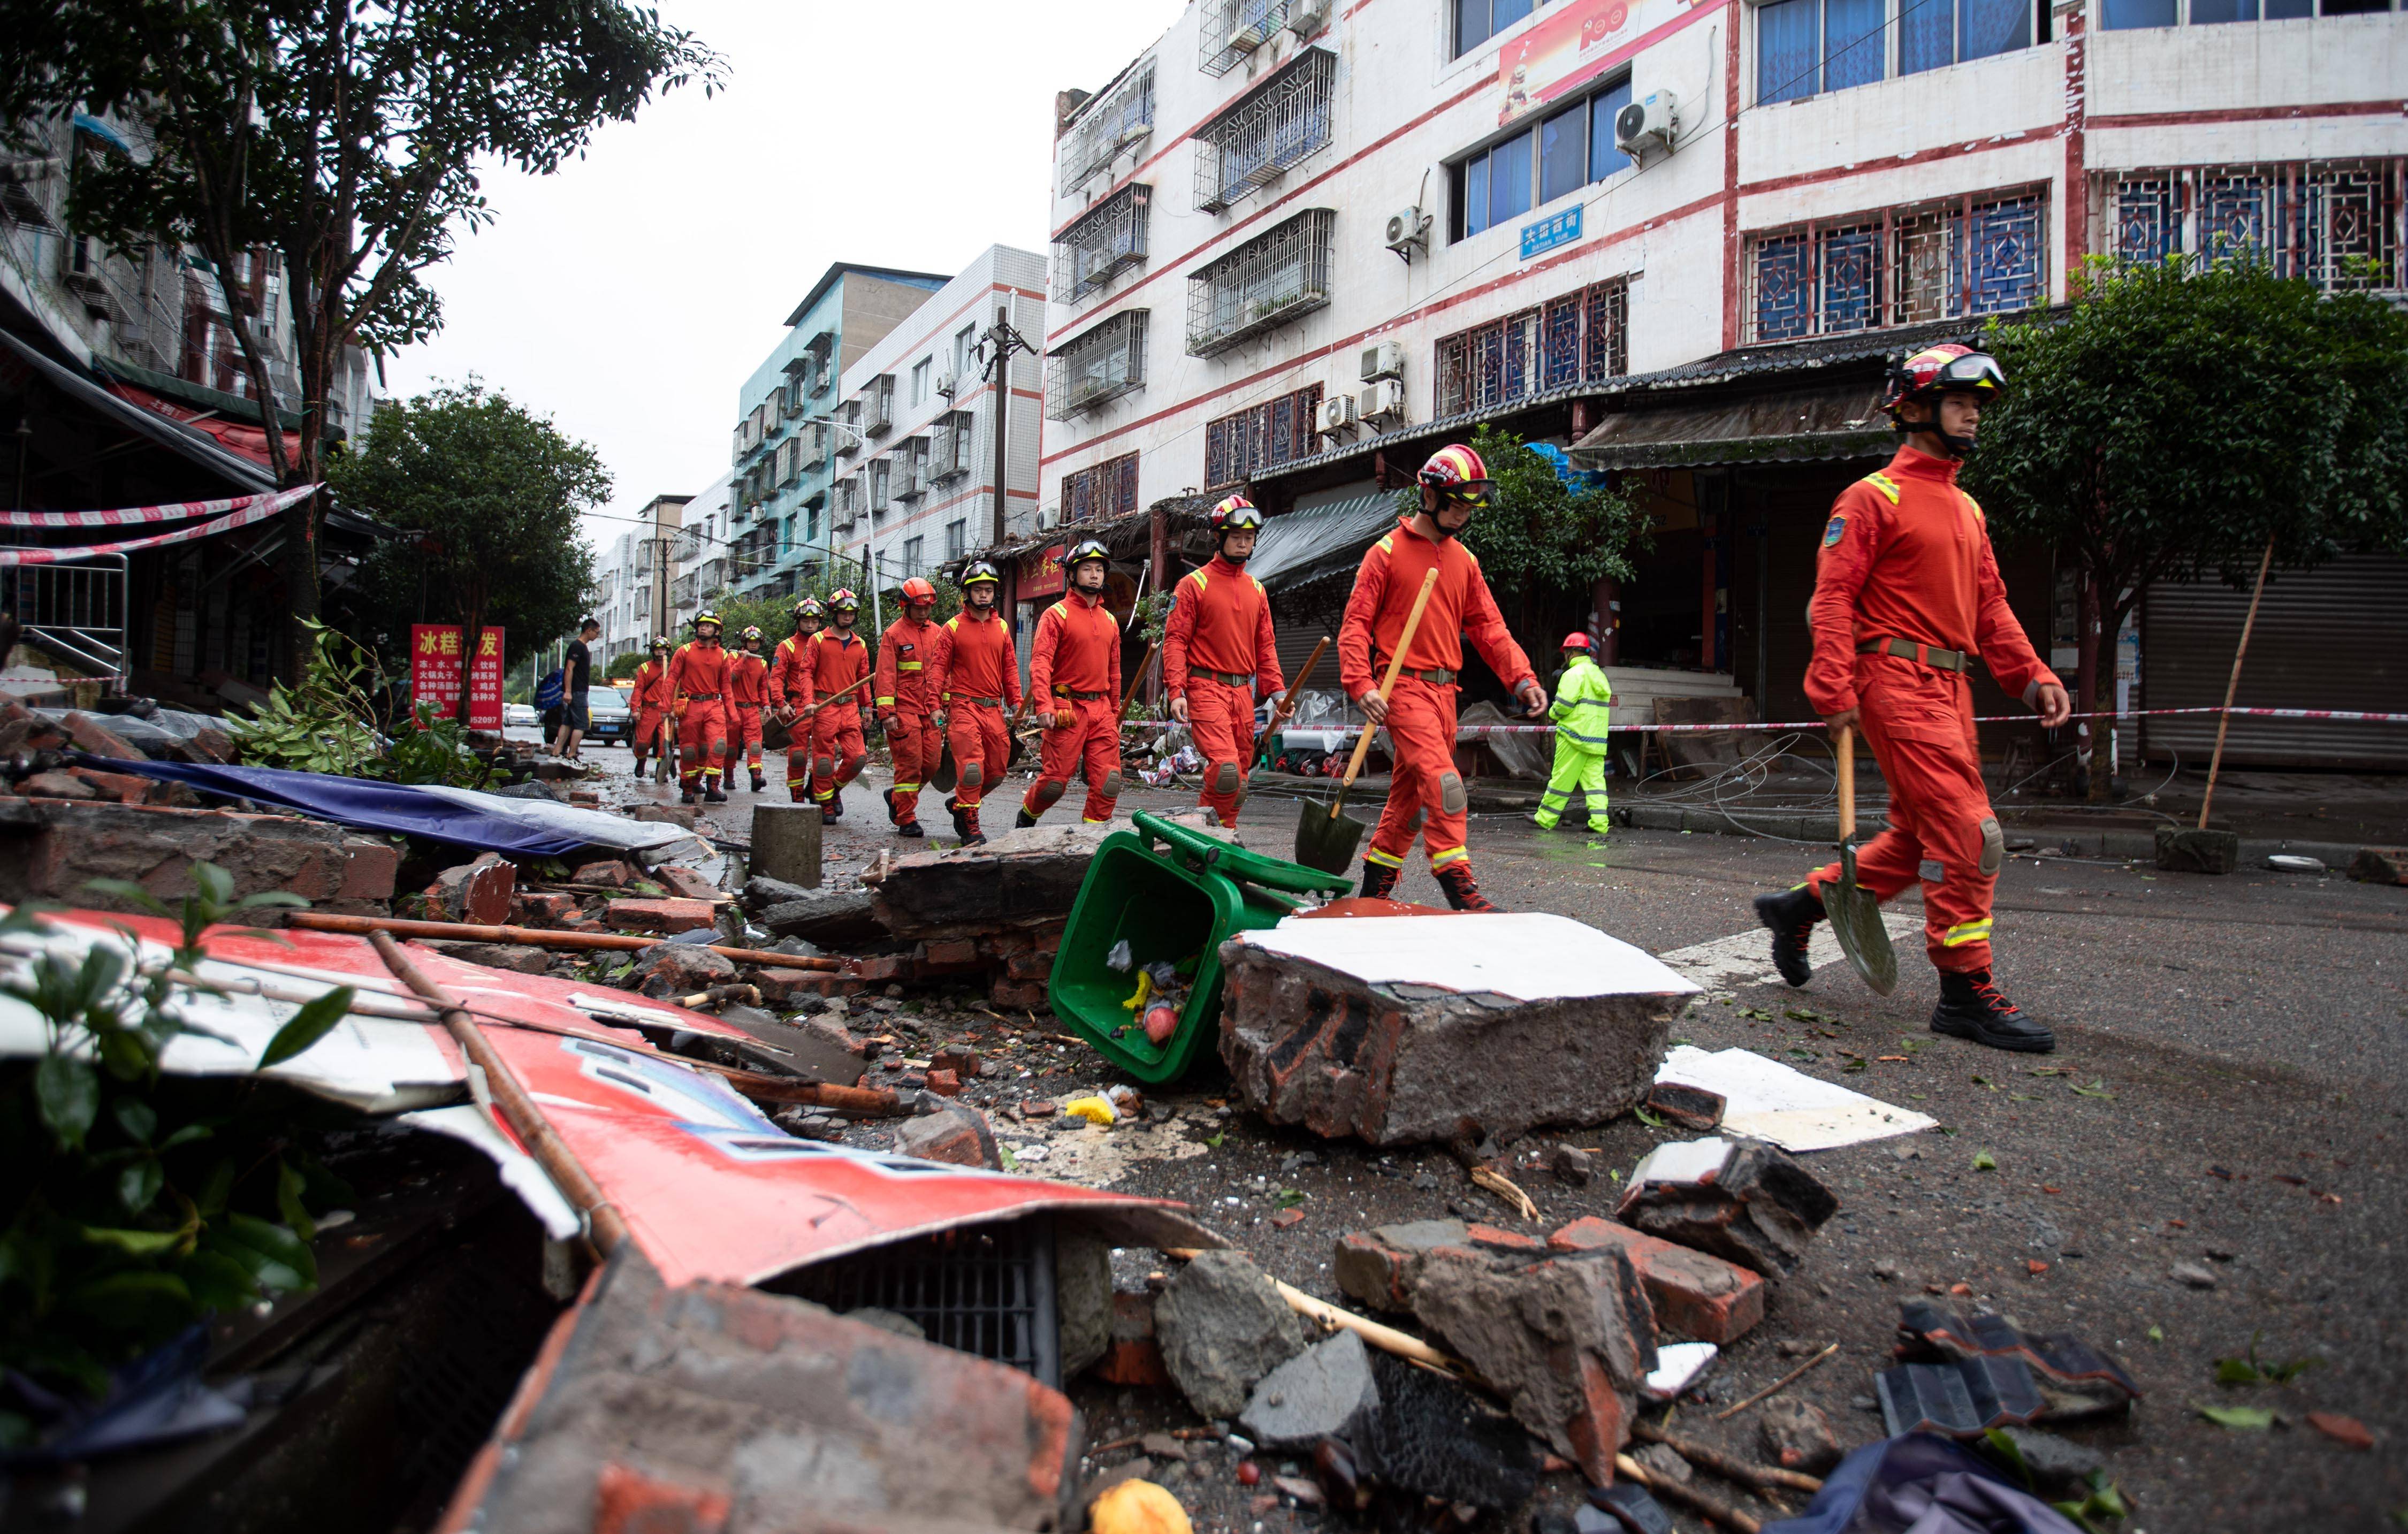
<point>1583,702</point>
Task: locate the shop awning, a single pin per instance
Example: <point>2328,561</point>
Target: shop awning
<point>195,446</point>
<point>1793,426</point>
<point>1307,545</point>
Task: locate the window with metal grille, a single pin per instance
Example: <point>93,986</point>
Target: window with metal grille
<point>1269,282</point>
<point>878,403</point>
<point>881,477</point>
<point>1567,150</point>
<point>1120,116</point>
<point>957,536</point>
<point>1238,447</point>
<point>912,467</point>
<point>1107,489</point>
<point>1577,337</point>
<point>1234,28</point>
<point>1107,240</point>
<point>1962,257</point>
<point>2338,224</point>
<point>1102,364</point>
<point>949,451</point>
<point>1274,126</point>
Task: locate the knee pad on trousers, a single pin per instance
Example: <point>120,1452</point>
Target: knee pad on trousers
<point>1421,818</point>
<point>1449,792</point>
<point>852,765</point>
<point>973,774</point>
<point>1049,793</point>
<point>718,750</point>
<point>822,766</point>
<point>1994,845</point>
<point>1225,778</point>
<point>1111,787</point>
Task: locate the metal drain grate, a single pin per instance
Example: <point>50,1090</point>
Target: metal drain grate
<point>985,1289</point>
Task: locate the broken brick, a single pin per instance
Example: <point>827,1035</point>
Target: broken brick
<point>478,893</point>
<point>1379,1266</point>
<point>1510,1241</point>
<point>669,971</point>
<point>1132,1356</point>
<point>123,787</point>
<point>628,1501</point>
<point>1693,1293</point>
<point>670,915</point>
<point>879,968</point>
<point>95,738</point>
<point>1036,1108</point>
<point>541,908</point>
<point>950,953</point>
<point>956,1134</point>
<point>1689,1107</point>
<point>960,1061</point>
<point>1742,1200</point>
<point>682,881</point>
<point>944,1083</point>
<point>1026,995</point>
<point>57,785</point>
<point>2380,866</point>
<point>370,868</point>
<point>1029,965</point>
<point>610,873</point>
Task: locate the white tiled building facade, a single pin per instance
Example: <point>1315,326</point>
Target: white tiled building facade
<point>1421,205</point>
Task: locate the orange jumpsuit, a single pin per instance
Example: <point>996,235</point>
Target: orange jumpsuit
<point>747,688</point>
<point>651,701</point>
<point>1421,710</point>
<point>1906,557</point>
<point>1218,652</point>
<point>698,691</point>
<point>974,675</point>
<point>1074,668</point>
<point>837,659</point>
<point>908,708</point>
<point>790,687</point>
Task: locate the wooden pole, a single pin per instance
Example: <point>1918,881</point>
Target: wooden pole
<point>1387,1339</point>
<point>604,1226</point>
<point>1730,1467</point>
<point>1664,1485</point>
<point>2224,720</point>
<point>319,921</point>
<point>1776,1386</point>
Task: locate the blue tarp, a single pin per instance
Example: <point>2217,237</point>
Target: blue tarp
<point>464,817</point>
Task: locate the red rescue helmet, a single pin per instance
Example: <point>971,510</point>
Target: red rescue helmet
<point>751,631</point>
<point>1236,515</point>
<point>1459,474</point>
<point>1576,639</point>
<point>808,608</point>
<point>1937,370</point>
<point>842,600</point>
<point>918,590</point>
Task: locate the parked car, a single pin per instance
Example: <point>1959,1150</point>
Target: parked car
<point>607,719</point>
<point>519,714</point>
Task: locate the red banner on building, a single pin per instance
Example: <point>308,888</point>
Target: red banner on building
<point>1041,572</point>
<point>437,668</point>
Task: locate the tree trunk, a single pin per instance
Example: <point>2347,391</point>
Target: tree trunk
<point>2092,733</point>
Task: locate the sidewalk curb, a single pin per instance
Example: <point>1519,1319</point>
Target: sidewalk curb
<point>2135,846</point>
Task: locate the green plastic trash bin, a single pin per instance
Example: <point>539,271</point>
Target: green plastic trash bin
<point>1175,895</point>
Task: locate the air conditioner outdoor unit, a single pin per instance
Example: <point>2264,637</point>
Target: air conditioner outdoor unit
<point>1384,401</point>
<point>1383,360</point>
<point>1655,119</point>
<point>1048,518</point>
<point>948,385</point>
<point>1407,230</point>
<point>1336,413</point>
<point>1307,17</point>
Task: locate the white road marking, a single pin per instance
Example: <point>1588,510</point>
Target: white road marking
<point>1727,965</point>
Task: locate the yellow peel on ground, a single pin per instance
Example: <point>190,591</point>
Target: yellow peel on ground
<point>1094,1109</point>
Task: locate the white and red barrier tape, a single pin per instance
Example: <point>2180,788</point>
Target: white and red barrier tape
<point>134,516</point>
<point>260,508</point>
<point>1473,732</point>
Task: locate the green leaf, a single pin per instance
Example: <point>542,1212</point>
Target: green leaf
<point>2009,1453</point>
<point>215,885</point>
<point>217,1282</point>
<point>217,1189</point>
<point>138,1119</point>
<point>69,1091</point>
<point>134,1244</point>
<point>2095,1089</point>
<point>2246,1419</point>
<point>138,1186</point>
<point>1648,1116</point>
<point>275,1243</point>
<point>185,1136</point>
<point>313,1021</point>
<point>289,1186</point>
<point>2157,1334</point>
<point>271,898</point>
<point>130,893</point>
<point>1985,1162</point>
<point>143,1301</point>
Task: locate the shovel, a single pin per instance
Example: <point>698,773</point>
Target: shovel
<point>1327,840</point>
<point>1855,915</point>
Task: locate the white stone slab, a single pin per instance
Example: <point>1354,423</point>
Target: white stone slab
<point>1525,956</point>
<point>1768,1100</point>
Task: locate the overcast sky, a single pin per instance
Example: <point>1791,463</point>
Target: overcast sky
<point>631,294</point>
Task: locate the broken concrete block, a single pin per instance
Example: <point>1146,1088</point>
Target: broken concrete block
<point>955,1134</point>
<point>96,739</point>
<point>1740,1199</point>
<point>665,814</point>
<point>1132,1354</point>
<point>1019,879</point>
<point>1082,1295</point>
<point>610,872</point>
<point>680,970</point>
<point>1411,1028</point>
<point>1322,1391</point>
<point>760,892</point>
<point>2380,866</point>
<point>2190,850</point>
<point>1693,1293</point>
<point>1689,1107</point>
<point>1799,1436</point>
<point>1434,1438</point>
<point>478,893</point>
<point>1567,1339</point>
<point>518,957</point>
<point>50,850</point>
<point>1222,1327</point>
<point>834,918</point>
<point>661,915</point>
<point>58,783</point>
<point>1379,1266</point>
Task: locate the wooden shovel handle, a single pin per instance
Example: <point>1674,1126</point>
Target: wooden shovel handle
<point>1138,679</point>
<point>1847,782</point>
<point>1288,704</point>
<point>1388,682</point>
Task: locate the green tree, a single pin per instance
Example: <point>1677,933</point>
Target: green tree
<point>492,493</point>
<point>2184,418</point>
<point>345,143</point>
<point>624,666</point>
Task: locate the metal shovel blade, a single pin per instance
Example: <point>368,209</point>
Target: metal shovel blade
<point>1856,922</point>
<point>1326,837</point>
<point>944,778</point>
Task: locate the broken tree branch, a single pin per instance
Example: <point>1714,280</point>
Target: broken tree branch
<point>1777,1386</point>
<point>318,920</point>
<point>1664,1485</point>
<point>1502,1186</point>
<point>1730,1467</point>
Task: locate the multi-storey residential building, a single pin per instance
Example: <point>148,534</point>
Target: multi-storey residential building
<point>633,575</point>
<point>785,451</point>
<point>915,447</point>
<point>702,563</point>
<point>1299,244</point>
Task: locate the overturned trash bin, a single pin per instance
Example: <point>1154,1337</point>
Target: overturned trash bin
<point>1171,895</point>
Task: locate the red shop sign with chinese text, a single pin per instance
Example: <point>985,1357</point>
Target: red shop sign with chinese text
<point>436,668</point>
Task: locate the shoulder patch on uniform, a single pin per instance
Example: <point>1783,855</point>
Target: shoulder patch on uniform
<point>1836,529</point>
<point>1387,545</point>
<point>1259,586</point>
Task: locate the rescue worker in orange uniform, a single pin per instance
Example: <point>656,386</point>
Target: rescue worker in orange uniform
<point>1906,594</point>
<point>1074,672</point>
<point>1219,659</point>
<point>747,688</point>
<point>974,675</point>
<point>1420,713</point>
<point>906,709</point>
<point>650,699</point>
<point>838,659</point>
<point>698,702</point>
<point>789,694</point>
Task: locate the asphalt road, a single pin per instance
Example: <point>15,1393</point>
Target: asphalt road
<point>2227,1091</point>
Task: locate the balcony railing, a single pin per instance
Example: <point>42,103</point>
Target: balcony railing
<point>1108,241</point>
<point>1276,126</point>
<point>1235,28</point>
<point>1104,364</point>
<point>1120,117</point>
<point>1270,281</point>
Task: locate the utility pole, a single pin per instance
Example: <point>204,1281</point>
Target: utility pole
<point>996,347</point>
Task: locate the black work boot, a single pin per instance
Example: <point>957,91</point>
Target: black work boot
<point>1791,915</point>
<point>1022,821</point>
<point>976,836</point>
<point>759,785</point>
<point>909,828</point>
<point>960,818</point>
<point>685,795</point>
<point>1462,890</point>
<point>834,806</point>
<point>1971,1006</point>
<point>712,793</point>
<point>894,815</point>
<point>1378,881</point>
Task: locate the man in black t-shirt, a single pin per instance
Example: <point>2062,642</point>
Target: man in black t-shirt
<point>576,674</point>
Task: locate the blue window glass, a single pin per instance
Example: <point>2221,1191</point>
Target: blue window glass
<point>1784,297</point>
<point>1603,158</point>
<point>1470,24</point>
<point>2203,12</point>
<point>1785,50</point>
<point>1507,12</point>
<point>1851,295</point>
<point>1563,152</point>
<point>2007,257</point>
<point>1926,37</point>
<point>2283,10</point>
<point>1992,26</point>
<point>1475,195</point>
<point>1509,178</point>
<point>2128,15</point>
<point>1851,43</point>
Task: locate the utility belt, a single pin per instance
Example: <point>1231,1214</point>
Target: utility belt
<point>1925,654</point>
<point>1227,679</point>
<point>742,703</point>
<point>702,698</point>
<point>979,702</point>
<point>1079,697</point>
<point>1436,679</point>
